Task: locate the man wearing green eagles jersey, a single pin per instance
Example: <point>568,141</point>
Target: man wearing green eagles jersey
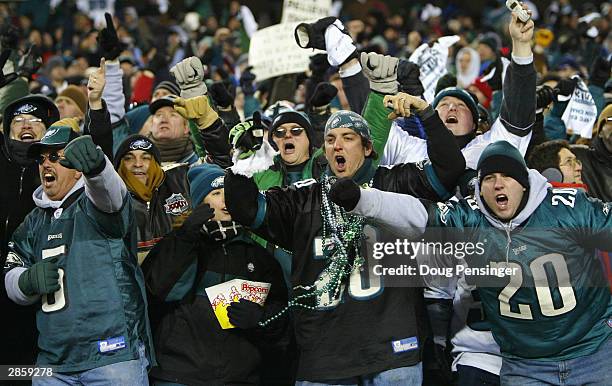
<point>75,255</point>
<point>553,317</point>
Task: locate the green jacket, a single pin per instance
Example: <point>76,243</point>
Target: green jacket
<point>374,113</point>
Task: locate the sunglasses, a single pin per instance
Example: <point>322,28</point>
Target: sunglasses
<point>52,157</point>
<point>280,132</point>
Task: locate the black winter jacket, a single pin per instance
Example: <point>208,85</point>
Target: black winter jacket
<point>596,168</point>
<point>154,219</point>
<point>190,345</point>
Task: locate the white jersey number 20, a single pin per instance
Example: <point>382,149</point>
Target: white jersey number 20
<point>542,287</point>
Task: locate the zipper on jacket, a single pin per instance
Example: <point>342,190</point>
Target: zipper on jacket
<point>153,197</point>
<point>21,182</point>
<point>507,229</point>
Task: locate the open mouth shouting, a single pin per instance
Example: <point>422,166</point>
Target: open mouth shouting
<point>451,119</point>
<point>289,147</point>
<point>340,163</point>
<point>502,201</point>
<point>48,178</point>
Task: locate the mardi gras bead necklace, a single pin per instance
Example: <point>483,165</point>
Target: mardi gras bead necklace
<point>342,234</point>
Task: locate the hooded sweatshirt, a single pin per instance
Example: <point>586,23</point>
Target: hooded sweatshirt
<point>90,232</point>
<point>553,239</point>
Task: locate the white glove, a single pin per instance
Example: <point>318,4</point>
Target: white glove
<point>338,44</point>
<point>189,74</point>
<point>381,71</point>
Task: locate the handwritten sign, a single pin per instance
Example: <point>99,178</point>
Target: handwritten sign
<point>273,52</point>
<point>305,10</point>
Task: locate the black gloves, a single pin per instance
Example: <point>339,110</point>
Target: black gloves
<point>345,193</point>
<point>544,96</point>
<point>30,62</point>
<point>110,46</point>
<point>8,78</point>
<point>247,81</point>
<point>565,89</point>
<point>312,35</point>
<point>408,77</point>
<point>247,136</point>
<point>221,95</point>
<point>600,72</point>
<point>323,94</point>
<point>193,224</point>
<point>245,314</point>
<point>83,155</point>
<point>318,65</point>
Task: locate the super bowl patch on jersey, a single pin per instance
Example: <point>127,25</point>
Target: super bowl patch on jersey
<point>176,204</point>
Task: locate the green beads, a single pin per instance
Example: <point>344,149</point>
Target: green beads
<point>342,234</point>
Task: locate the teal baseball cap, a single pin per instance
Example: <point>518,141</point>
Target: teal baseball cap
<point>55,137</point>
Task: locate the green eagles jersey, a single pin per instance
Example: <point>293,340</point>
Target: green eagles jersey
<point>99,314</point>
<point>556,305</point>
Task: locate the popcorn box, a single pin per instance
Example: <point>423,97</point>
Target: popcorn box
<point>222,295</point>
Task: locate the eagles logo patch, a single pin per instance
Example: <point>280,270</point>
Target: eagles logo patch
<point>217,182</point>
<point>13,260</point>
<point>141,144</point>
<point>176,204</point>
<point>25,109</point>
<point>49,133</point>
<point>443,211</point>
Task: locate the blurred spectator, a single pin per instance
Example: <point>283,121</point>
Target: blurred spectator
<point>468,66</point>
<point>71,103</point>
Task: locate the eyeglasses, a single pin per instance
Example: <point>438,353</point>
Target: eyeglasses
<point>52,157</point>
<point>19,121</point>
<point>280,132</point>
<point>572,162</point>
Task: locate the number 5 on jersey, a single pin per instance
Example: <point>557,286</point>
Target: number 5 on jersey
<point>57,300</point>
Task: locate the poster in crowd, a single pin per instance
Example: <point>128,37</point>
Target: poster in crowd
<point>581,112</point>
<point>273,50</point>
<point>432,63</point>
<point>305,10</point>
